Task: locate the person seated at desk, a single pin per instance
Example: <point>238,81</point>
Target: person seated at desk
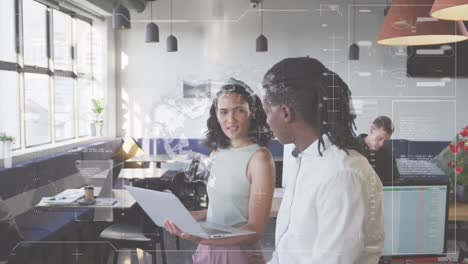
<point>372,146</point>
<point>242,179</point>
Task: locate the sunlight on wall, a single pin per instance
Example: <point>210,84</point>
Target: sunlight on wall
<point>124,59</point>
<point>125,111</point>
<point>137,127</point>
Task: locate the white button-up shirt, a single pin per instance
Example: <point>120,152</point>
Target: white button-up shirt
<point>331,210</point>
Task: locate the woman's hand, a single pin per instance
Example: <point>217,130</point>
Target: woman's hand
<point>174,230</point>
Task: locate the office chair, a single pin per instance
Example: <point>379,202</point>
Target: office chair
<point>145,236</point>
<point>132,235</point>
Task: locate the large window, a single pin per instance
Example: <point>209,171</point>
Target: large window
<point>64,105</point>
<point>62,41</point>
<point>37,108</point>
<point>46,73</point>
<point>9,105</point>
<point>85,92</point>
<point>35,33</point>
<point>7,27</point>
<point>84,49</point>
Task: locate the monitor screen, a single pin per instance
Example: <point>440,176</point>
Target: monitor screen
<point>415,220</point>
<point>438,61</point>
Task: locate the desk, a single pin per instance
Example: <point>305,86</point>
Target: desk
<point>158,159</point>
<point>461,212</point>
<point>141,173</point>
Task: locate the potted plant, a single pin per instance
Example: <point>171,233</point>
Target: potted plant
<point>453,160</point>
<point>5,149</point>
<point>98,122</point>
<point>459,164</point>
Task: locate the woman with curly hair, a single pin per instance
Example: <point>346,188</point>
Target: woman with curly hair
<point>242,179</point>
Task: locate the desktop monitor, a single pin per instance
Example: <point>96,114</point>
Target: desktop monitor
<point>415,216</point>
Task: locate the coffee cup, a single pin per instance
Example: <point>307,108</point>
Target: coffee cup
<point>89,193</point>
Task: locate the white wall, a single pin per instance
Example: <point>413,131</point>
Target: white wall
<point>105,71</point>
<point>217,41</point>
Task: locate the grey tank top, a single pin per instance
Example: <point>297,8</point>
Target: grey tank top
<point>228,186</point>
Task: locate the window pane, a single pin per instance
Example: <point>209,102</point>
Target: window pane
<point>34,26</point>
<point>7,27</point>
<point>83,46</point>
<point>85,93</point>
<point>62,41</point>
<point>37,108</point>
<point>64,128</point>
<point>9,105</point>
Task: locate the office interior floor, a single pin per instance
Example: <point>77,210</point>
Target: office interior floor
<point>184,256</point>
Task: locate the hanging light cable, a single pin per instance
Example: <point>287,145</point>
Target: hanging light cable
<point>171,41</point>
<point>261,43</point>
<point>120,17</point>
<point>354,48</point>
<point>152,30</point>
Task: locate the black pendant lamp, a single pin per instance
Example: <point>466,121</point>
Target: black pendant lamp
<point>386,9</point>
<point>152,30</point>
<point>171,41</point>
<point>354,48</point>
<point>121,17</point>
<point>261,42</point>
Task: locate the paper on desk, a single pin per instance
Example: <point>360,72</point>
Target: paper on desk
<point>66,197</point>
<point>105,202</point>
<point>59,201</point>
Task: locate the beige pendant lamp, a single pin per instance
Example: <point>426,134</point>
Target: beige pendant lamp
<point>454,10</point>
<point>409,23</point>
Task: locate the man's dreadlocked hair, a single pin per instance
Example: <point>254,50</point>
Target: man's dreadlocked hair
<point>318,94</point>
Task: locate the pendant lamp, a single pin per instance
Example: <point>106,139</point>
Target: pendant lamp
<point>152,30</point>
<point>171,41</point>
<point>121,17</point>
<point>354,48</point>
<point>409,23</point>
<point>450,9</point>
<point>261,44</point>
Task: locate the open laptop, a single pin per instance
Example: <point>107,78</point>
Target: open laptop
<point>162,206</point>
<point>97,173</point>
<point>104,190</point>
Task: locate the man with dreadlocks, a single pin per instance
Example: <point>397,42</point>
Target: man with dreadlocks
<point>331,210</point>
